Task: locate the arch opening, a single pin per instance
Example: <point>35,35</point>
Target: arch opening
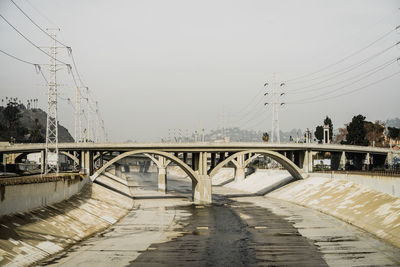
<point>186,168</point>
<point>295,171</point>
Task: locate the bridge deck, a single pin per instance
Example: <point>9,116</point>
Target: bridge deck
<point>198,147</point>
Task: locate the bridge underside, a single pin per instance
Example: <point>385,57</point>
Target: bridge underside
<point>199,166</point>
<point>202,164</point>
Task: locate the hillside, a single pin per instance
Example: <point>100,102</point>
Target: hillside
<point>26,124</point>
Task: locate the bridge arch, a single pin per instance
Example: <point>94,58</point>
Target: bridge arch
<point>295,171</point>
<point>69,155</point>
<point>186,168</point>
<point>157,161</point>
<point>18,159</point>
<point>22,155</point>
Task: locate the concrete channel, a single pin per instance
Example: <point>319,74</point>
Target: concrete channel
<point>238,229</point>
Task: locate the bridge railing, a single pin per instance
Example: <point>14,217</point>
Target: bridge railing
<point>386,173</point>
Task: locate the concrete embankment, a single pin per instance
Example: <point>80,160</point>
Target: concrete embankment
<point>28,237</point>
<point>384,184</point>
<point>262,181</point>
<point>25,193</point>
<point>373,211</point>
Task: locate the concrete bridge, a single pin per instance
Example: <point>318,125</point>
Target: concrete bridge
<point>201,161</point>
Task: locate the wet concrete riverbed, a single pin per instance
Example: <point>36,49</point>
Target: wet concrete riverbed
<point>229,234</point>
<point>240,231</point>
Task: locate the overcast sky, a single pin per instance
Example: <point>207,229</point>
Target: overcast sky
<point>159,65</point>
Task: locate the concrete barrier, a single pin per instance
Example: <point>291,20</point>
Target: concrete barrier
<point>22,194</point>
<point>373,211</point>
<point>384,184</point>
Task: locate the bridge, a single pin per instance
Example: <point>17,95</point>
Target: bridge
<point>201,161</point>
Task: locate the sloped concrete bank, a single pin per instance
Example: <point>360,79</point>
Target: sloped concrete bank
<point>384,184</point>
<point>373,211</point>
<point>26,238</point>
<point>21,194</point>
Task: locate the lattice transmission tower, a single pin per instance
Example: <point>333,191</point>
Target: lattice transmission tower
<point>51,156</point>
<point>78,114</point>
<point>276,94</point>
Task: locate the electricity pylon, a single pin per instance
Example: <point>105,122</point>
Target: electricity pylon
<point>275,97</point>
<point>78,114</point>
<point>51,156</point>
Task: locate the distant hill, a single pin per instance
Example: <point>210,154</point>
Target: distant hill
<point>236,134</point>
<point>27,120</point>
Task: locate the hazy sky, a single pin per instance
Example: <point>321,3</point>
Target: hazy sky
<point>159,65</point>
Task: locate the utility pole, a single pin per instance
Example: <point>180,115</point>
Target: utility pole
<point>51,160</point>
<point>275,96</point>
<point>97,123</point>
<point>78,115</point>
<point>90,131</point>
<point>223,125</point>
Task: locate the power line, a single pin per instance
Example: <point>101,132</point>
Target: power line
<point>40,13</point>
<point>255,116</point>
<point>349,92</point>
<point>368,73</point>
<point>22,60</point>
<point>76,69</point>
<point>37,66</point>
<point>32,43</point>
<point>251,101</point>
<point>264,119</point>
<point>52,37</point>
<point>340,88</point>
<point>34,23</point>
<point>347,69</point>
<point>250,112</point>
<point>346,57</point>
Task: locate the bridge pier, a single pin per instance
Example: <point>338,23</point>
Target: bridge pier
<point>342,163</point>
<point>240,174</point>
<point>162,174</point>
<point>390,159</point>
<point>367,160</point>
<point>307,161</point>
<point>87,162</point>
<point>162,164</point>
<point>202,189</point>
<point>118,170</point>
<point>240,168</point>
<point>42,160</point>
<point>162,179</point>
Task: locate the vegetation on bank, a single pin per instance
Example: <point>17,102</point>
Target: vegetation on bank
<point>25,124</point>
<point>358,132</point>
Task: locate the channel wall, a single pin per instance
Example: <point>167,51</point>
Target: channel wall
<point>26,238</point>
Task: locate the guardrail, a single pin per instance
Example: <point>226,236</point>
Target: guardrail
<point>391,173</point>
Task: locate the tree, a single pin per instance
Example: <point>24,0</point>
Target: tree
<point>340,138</point>
<point>11,127</point>
<point>393,133</point>
<point>356,134</point>
<point>11,114</point>
<point>35,134</point>
<point>375,133</point>
<point>319,133</point>
<point>265,137</point>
